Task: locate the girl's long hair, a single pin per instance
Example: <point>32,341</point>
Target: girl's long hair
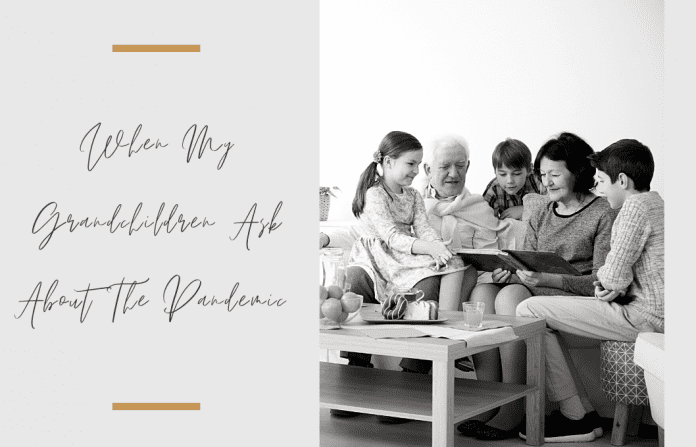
<point>394,144</point>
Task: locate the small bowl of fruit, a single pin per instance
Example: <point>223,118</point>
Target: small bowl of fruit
<point>338,305</point>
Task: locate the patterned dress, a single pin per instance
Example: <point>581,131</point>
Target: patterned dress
<point>389,225</point>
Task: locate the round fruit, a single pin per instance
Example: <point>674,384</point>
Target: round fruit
<point>321,314</point>
<point>331,308</point>
<point>323,293</point>
<point>335,292</point>
<point>350,302</point>
<point>343,317</point>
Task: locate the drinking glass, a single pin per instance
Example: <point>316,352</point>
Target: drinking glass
<point>333,268</point>
<point>473,314</point>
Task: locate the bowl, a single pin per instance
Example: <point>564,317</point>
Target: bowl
<point>350,304</point>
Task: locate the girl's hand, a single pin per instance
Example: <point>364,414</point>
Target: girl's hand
<point>529,279</point>
<point>440,253</point>
<point>500,275</point>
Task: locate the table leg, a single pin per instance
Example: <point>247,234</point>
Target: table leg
<point>443,404</point>
<point>536,368</point>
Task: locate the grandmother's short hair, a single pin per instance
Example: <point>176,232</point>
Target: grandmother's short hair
<point>430,149</point>
<point>572,150</point>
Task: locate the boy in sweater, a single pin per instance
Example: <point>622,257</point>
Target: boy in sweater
<point>629,295</point>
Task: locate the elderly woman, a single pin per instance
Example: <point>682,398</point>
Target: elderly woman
<point>570,221</point>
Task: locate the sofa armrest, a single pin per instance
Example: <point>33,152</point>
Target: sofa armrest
<point>650,353</point>
<point>341,235</point>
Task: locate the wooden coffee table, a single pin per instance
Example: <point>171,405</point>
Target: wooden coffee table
<point>438,398</point>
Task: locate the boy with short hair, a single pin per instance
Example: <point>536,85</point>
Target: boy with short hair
<point>514,177</point>
<point>629,295</point>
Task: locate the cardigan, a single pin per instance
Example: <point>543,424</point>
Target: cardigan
<point>582,238</point>
<point>636,263</point>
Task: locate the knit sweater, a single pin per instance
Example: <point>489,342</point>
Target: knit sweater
<point>635,263</point>
<point>582,238</point>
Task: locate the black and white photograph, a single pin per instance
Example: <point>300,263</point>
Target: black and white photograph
<point>495,250</point>
<point>492,230</point>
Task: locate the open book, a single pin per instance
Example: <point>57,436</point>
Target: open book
<point>488,260</point>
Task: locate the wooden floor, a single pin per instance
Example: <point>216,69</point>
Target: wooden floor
<point>365,430</point>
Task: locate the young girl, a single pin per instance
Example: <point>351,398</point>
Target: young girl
<point>388,209</point>
<point>396,241</point>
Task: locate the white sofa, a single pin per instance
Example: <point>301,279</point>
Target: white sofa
<point>650,355</point>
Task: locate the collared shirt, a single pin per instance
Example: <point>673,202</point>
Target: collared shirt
<point>431,192</point>
<point>500,200</point>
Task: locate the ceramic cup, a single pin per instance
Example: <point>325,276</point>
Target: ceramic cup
<point>411,294</point>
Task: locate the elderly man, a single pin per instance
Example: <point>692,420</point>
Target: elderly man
<point>468,220</point>
<point>465,218</point>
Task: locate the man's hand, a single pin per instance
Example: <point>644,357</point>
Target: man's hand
<point>514,212</point>
<point>603,294</point>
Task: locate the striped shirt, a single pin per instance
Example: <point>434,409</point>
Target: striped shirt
<point>500,200</point>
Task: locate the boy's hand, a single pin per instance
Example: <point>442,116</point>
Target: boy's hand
<point>514,212</point>
<point>603,294</point>
<point>500,275</point>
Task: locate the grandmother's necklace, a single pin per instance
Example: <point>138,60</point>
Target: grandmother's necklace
<point>568,210</point>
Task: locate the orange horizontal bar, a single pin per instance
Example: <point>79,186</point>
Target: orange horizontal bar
<point>156,406</point>
<point>156,49</point>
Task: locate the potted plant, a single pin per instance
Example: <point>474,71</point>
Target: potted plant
<point>325,194</point>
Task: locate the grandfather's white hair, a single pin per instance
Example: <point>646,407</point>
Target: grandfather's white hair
<point>441,142</point>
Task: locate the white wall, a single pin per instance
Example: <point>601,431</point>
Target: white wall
<point>486,70</point>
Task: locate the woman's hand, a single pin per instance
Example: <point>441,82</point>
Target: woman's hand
<point>536,279</point>
<point>500,275</point>
<point>603,294</point>
<point>530,279</point>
